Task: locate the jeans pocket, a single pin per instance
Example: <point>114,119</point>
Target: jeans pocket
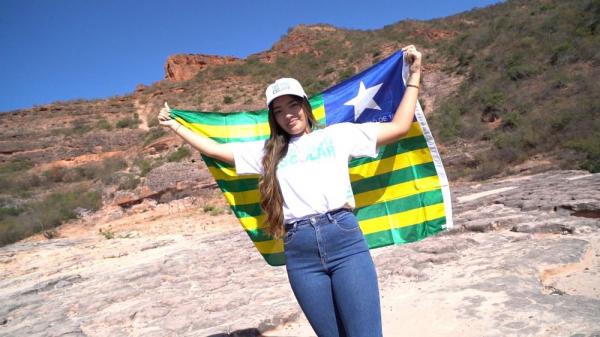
<point>347,222</point>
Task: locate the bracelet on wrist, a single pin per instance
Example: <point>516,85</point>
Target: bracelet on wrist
<point>412,85</point>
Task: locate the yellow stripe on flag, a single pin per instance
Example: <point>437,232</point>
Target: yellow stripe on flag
<point>397,191</point>
<point>319,113</point>
<point>415,130</point>
<point>229,131</point>
<point>399,161</point>
<point>269,247</point>
<point>228,174</point>
<point>403,219</point>
<point>242,198</point>
<point>252,223</point>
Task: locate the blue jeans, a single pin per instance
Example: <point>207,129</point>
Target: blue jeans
<point>333,276</point>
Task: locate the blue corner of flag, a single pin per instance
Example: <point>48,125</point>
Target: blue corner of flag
<point>370,96</point>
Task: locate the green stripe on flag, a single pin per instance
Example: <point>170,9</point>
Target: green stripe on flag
<point>402,146</point>
<point>246,210</point>
<point>405,234</point>
<point>238,185</point>
<point>400,205</point>
<point>258,235</point>
<point>394,177</point>
<point>211,162</point>
<point>238,139</point>
<point>276,259</point>
<point>222,119</point>
<point>316,101</point>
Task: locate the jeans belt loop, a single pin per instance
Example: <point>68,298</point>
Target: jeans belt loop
<point>329,217</point>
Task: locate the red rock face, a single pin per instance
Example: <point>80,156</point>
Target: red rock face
<point>183,67</point>
<point>300,39</point>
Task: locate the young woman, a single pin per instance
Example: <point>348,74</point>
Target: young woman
<point>307,198</point>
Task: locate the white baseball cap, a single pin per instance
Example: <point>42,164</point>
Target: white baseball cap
<point>284,86</point>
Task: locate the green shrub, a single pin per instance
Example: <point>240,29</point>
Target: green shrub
<point>55,174</point>
<point>110,166</point>
<point>81,126</point>
<point>107,233</point>
<point>144,165</point>
<point>213,210</point>
<point>113,164</point>
<point>49,212</point>
<point>128,182</point>
<point>181,153</point>
<point>154,134</point>
<point>19,183</point>
<point>153,122</point>
<point>58,207</point>
<point>129,122</point>
<point>520,71</point>
<point>103,124</point>
<point>591,149</point>
<point>511,120</point>
<point>487,167</point>
<point>103,171</point>
<point>328,70</point>
<point>491,103</point>
<point>6,211</point>
<point>16,165</point>
<point>346,73</point>
<point>238,70</point>
<point>447,122</point>
<point>78,127</point>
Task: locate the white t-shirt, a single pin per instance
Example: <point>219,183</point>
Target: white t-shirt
<point>313,176</point>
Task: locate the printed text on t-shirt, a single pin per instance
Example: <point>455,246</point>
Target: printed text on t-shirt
<point>324,149</point>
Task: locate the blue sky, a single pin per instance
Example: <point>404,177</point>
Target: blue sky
<point>66,49</point>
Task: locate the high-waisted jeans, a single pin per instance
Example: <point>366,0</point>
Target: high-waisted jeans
<point>333,276</point>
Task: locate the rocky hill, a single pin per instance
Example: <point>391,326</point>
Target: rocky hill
<point>509,88</point>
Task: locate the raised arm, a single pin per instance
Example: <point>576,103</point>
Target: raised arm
<point>400,124</point>
<point>205,145</point>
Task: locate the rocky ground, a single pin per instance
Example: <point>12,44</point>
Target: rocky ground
<point>523,260</point>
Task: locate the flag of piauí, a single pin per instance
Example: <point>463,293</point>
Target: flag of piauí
<point>401,196</point>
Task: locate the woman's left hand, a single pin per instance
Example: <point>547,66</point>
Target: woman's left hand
<point>413,57</point>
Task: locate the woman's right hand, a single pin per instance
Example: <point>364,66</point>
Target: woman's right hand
<point>201,143</point>
<point>164,117</point>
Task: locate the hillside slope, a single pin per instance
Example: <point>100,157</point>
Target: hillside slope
<point>506,88</point>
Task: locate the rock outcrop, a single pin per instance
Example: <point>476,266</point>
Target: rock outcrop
<point>183,67</point>
<point>522,260</point>
<point>169,182</point>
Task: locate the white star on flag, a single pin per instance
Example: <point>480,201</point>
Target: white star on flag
<point>364,99</point>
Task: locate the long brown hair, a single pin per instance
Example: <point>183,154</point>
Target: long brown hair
<point>276,147</point>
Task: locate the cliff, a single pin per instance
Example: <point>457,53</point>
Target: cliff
<point>183,67</point>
